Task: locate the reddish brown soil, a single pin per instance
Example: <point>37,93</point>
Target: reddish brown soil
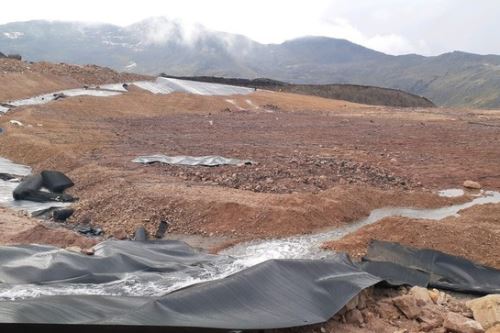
<point>19,229</point>
<point>23,79</point>
<point>319,162</point>
<point>475,234</point>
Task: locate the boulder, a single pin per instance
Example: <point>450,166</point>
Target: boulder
<point>472,185</point>
<point>486,310</point>
<point>457,323</point>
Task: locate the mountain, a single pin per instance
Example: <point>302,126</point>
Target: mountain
<point>159,45</point>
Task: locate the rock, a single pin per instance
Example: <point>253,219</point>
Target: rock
<point>407,304</point>
<point>472,185</point>
<point>89,251</point>
<point>430,318</point>
<point>354,316</point>
<point>494,329</point>
<point>457,323</point>
<point>76,249</point>
<point>61,215</point>
<point>16,123</point>
<point>486,310</point>
<point>120,235</point>
<point>421,295</point>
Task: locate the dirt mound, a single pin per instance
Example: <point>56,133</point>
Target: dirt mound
<point>19,229</point>
<point>20,79</point>
<point>41,234</point>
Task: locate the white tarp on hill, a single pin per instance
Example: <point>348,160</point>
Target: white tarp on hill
<point>160,86</point>
<point>164,85</point>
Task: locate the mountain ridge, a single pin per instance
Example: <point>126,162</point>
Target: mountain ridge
<point>160,45</point>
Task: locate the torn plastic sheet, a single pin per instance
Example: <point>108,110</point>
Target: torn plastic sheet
<point>164,85</point>
<point>442,270</point>
<point>191,160</point>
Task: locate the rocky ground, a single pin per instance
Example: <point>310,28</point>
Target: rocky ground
<point>319,164</point>
<point>410,311</point>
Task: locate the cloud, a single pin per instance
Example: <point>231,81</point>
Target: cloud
<point>388,43</point>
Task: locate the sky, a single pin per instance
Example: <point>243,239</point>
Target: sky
<point>427,27</point>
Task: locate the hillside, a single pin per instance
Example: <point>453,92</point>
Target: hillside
<point>158,45</point>
<point>353,93</point>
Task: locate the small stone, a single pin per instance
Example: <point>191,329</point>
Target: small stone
<point>76,249</point>
<point>89,251</point>
<point>354,316</point>
<point>472,185</point>
<point>407,304</point>
<point>457,323</point>
<point>421,295</point>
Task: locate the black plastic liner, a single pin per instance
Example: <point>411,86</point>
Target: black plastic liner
<point>31,188</point>
<point>56,181</point>
<point>274,294</point>
<point>405,265</point>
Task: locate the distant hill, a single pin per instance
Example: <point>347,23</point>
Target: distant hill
<point>353,93</point>
<point>157,45</point>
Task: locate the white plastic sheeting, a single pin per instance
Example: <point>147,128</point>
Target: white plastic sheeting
<point>46,98</point>
<point>160,86</point>
<point>164,85</point>
<point>191,160</point>
<point>7,166</point>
